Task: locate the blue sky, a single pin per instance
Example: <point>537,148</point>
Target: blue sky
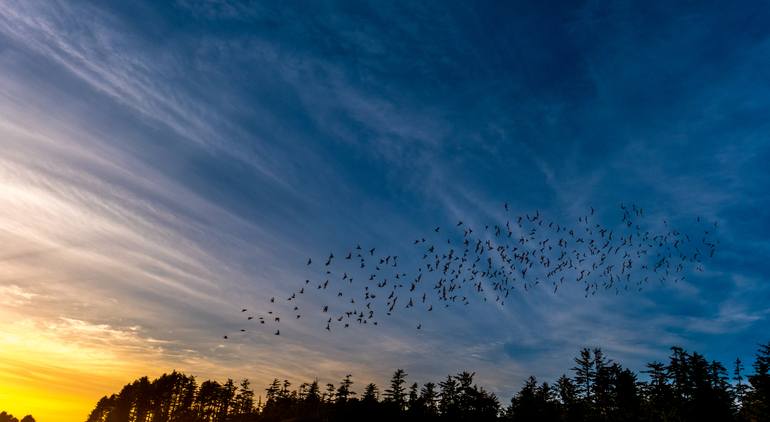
<point>163,166</point>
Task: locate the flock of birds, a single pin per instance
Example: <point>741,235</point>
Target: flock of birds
<point>452,265</point>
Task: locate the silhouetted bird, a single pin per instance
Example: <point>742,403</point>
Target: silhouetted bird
<point>597,255</point>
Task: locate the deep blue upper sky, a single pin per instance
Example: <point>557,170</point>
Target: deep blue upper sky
<point>192,155</point>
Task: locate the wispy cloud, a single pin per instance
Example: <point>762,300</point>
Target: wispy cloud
<point>167,165</point>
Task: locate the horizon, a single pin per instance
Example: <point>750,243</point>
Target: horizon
<point>164,166</point>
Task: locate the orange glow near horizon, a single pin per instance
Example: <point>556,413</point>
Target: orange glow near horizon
<point>47,373</point>
<point>57,369</point>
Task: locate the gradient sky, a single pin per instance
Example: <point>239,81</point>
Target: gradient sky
<point>163,166</point>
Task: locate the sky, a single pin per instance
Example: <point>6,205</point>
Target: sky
<point>165,164</point>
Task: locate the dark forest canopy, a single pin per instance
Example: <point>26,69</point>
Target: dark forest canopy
<point>686,388</point>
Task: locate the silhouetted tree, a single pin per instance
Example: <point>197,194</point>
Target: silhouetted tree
<point>448,397</point>
<point>344,391</point>
<point>571,405</point>
<point>677,372</point>
<point>584,374</point>
<point>244,400</point>
<point>7,417</point>
<point>473,403</point>
<point>313,394</point>
<point>370,404</point>
<point>626,402</point>
<point>414,394</point>
<point>658,393</point>
<point>758,399</point>
<point>688,388</point>
<point>371,394</point>
<point>602,385</point>
<point>103,409</point>
<point>395,395</point>
<point>740,386</point>
<point>429,398</point>
<point>328,395</point>
<point>532,403</point>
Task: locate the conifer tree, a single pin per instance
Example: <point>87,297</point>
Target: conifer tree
<point>396,393</point>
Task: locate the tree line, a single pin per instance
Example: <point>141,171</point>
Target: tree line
<point>7,417</point>
<point>687,387</point>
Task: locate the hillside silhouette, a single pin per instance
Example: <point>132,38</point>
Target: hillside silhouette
<point>686,388</point>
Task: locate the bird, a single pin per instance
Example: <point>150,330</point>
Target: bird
<point>504,259</point>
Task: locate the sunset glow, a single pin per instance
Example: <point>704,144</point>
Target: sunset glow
<point>169,169</point>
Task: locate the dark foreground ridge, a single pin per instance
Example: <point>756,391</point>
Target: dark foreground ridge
<point>687,388</point>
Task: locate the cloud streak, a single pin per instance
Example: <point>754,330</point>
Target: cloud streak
<point>165,166</point>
